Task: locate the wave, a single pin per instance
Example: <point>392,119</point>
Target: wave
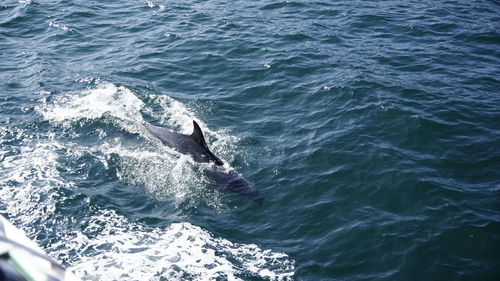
<point>162,171</point>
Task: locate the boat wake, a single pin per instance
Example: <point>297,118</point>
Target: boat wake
<point>53,176</point>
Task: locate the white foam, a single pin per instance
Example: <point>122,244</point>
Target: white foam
<point>106,99</point>
<point>26,177</point>
<point>163,173</point>
<point>182,251</point>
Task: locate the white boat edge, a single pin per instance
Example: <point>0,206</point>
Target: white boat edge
<point>28,256</point>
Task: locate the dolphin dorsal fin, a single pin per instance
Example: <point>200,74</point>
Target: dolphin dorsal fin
<point>197,135</point>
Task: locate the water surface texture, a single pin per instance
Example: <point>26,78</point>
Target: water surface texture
<point>372,129</point>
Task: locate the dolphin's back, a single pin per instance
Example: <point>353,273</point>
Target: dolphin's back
<point>193,144</point>
<point>166,136</point>
<point>231,181</point>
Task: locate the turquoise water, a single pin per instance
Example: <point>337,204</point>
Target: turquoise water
<point>372,129</point>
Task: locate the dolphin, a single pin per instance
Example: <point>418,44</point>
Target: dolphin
<point>196,146</point>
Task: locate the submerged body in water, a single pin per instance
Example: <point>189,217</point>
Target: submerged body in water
<point>196,146</point>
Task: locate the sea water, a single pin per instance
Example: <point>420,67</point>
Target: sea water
<point>372,129</point>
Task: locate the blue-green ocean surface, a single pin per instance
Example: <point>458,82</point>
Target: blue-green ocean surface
<point>372,129</point>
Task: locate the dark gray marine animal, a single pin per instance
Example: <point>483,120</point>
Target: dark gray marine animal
<point>196,146</point>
